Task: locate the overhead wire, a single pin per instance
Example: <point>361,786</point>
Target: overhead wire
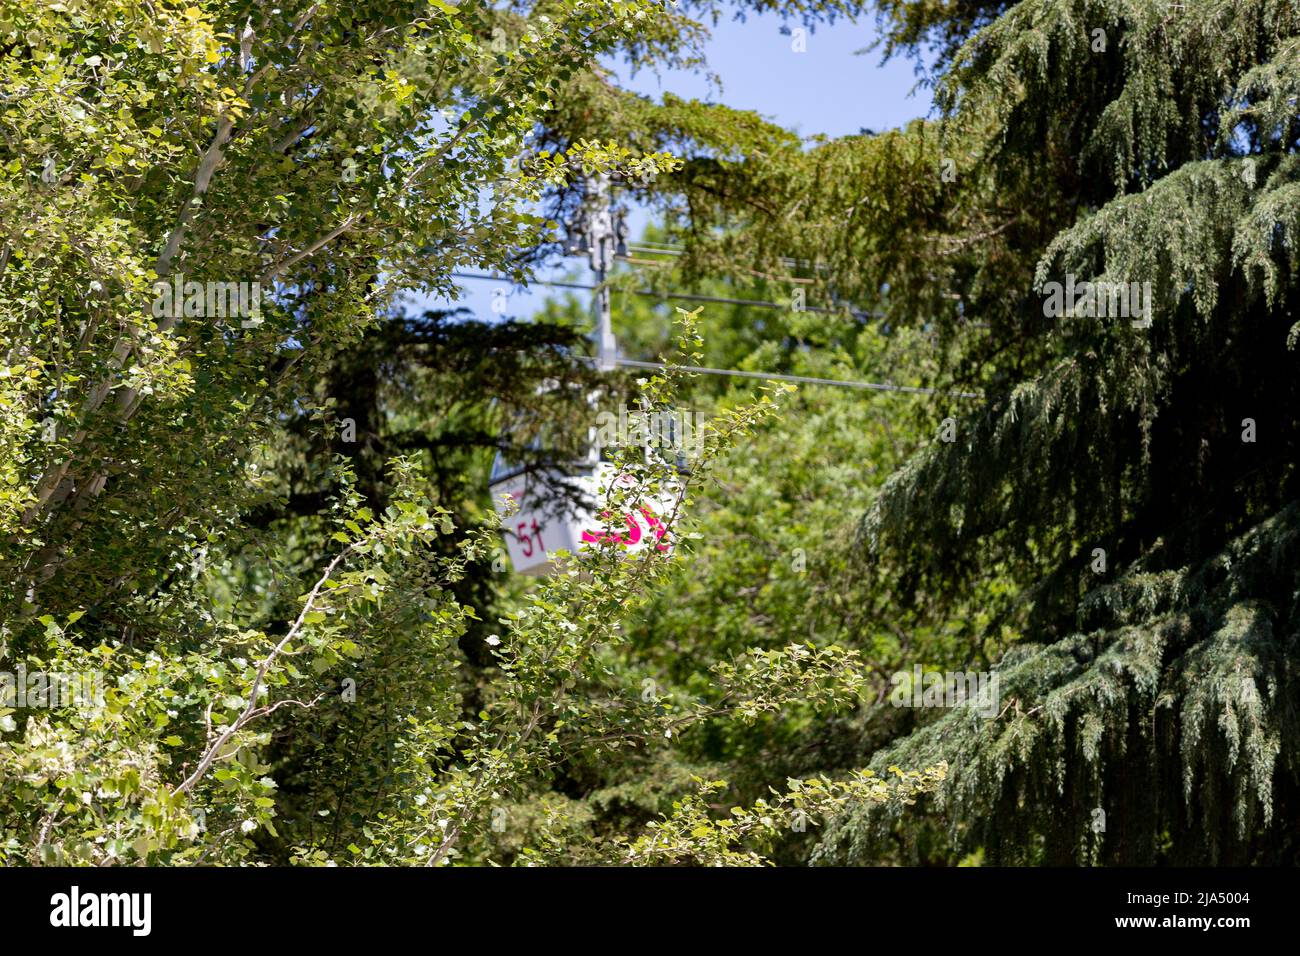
<point>684,296</point>
<point>781,377</point>
<point>725,300</point>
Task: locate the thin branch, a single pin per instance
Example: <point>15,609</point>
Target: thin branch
<point>252,711</point>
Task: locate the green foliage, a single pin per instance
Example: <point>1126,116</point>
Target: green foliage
<point>1180,672</point>
<point>562,695</point>
<point>176,514</point>
<point>306,656</point>
<point>691,834</point>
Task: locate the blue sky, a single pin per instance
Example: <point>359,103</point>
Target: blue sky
<point>827,89</point>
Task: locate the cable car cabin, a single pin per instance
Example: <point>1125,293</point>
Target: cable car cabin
<point>560,509</point>
<point>552,511</point>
